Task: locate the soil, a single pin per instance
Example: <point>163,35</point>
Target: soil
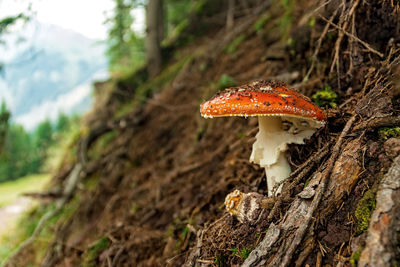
<point>155,187</point>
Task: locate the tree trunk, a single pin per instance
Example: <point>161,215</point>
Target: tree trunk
<point>230,15</point>
<point>155,34</point>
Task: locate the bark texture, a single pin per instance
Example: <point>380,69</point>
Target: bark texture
<point>382,246</point>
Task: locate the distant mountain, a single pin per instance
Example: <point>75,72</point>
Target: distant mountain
<point>50,71</point>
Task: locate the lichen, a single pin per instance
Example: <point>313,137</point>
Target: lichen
<point>364,210</point>
<point>325,97</point>
<point>387,132</point>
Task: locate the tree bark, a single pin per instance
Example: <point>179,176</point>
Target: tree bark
<point>155,34</point>
<point>230,15</point>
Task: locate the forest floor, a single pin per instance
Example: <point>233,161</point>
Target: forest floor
<point>148,184</point>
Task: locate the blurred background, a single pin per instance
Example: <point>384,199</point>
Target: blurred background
<point>50,53</point>
<point>100,126</point>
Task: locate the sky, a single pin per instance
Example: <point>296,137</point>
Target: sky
<point>86,17</point>
<point>83,16</point>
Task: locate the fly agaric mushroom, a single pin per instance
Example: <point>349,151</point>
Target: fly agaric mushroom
<point>285,116</point>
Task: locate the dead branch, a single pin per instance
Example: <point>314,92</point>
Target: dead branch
<point>378,122</point>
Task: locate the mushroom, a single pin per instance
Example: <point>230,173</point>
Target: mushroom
<point>246,207</point>
<point>285,116</point>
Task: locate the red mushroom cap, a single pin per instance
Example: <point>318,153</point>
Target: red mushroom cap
<point>262,98</point>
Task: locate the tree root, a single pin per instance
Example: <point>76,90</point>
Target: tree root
<point>299,215</point>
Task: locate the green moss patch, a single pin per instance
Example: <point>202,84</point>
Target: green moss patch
<point>386,132</point>
<point>364,210</point>
<point>325,97</point>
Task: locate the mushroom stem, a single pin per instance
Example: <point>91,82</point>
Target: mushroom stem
<point>276,174</point>
<point>269,151</point>
<point>271,144</point>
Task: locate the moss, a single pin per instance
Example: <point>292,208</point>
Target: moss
<point>233,46</point>
<point>355,257</point>
<point>94,251</point>
<point>325,97</point>
<point>92,182</point>
<point>364,210</point>
<point>226,81</point>
<point>311,22</point>
<point>387,132</point>
<point>306,183</point>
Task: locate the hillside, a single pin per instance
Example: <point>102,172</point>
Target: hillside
<point>145,183</point>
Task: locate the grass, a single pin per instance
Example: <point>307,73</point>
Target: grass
<point>10,191</point>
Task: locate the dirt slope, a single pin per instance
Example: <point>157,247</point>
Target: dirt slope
<point>152,187</point>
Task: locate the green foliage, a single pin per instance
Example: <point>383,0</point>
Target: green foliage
<point>28,153</point>
<point>4,117</point>
<point>325,97</point>
<point>389,132</point>
<point>125,49</point>
<point>244,253</point>
<point>287,17</point>
<point>94,251</point>
<point>43,139</point>
<point>19,157</point>
<point>233,46</point>
<point>62,123</point>
<point>177,12</point>
<point>355,257</point>
<point>260,23</point>
<point>234,251</point>
<point>67,130</point>
<point>226,81</point>
<point>8,21</point>
<point>364,210</point>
